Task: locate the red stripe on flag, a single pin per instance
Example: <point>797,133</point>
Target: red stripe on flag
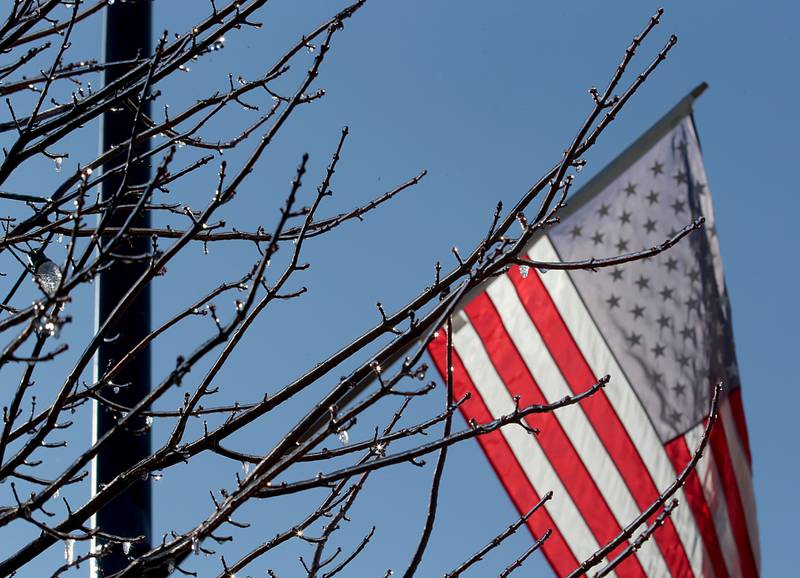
<point>601,414</point>
<point>502,459</point>
<point>719,448</point>
<point>679,455</point>
<point>553,440</point>
<point>737,410</point>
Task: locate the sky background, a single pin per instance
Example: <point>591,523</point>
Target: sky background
<point>485,97</point>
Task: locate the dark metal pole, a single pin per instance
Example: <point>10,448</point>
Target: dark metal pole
<point>127,34</point>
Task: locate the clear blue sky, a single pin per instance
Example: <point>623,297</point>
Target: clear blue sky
<point>486,96</point>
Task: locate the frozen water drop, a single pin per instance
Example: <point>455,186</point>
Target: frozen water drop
<point>126,548</point>
<point>344,437</point>
<point>59,161</point>
<point>48,274</point>
<point>51,328</point>
<point>524,270</point>
<point>246,467</point>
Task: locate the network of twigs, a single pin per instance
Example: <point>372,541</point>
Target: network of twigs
<point>40,31</point>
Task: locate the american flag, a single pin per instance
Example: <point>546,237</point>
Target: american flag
<point>661,328</point>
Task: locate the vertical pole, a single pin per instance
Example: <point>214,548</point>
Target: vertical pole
<point>126,35</point>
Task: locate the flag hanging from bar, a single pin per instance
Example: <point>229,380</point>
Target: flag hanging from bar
<point>661,328</point>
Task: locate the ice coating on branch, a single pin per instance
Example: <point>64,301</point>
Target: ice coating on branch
<point>69,550</point>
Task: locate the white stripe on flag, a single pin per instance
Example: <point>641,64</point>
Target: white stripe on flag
<point>743,480</point>
<point>715,499</point>
<point>537,468</point>
<point>580,432</point>
<point>621,396</point>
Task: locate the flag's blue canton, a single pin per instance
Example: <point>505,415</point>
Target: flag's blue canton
<point>666,319</point>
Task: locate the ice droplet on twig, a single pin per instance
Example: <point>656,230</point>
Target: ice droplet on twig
<point>246,467</point>
<point>195,546</point>
<point>344,437</point>
<point>524,270</point>
<point>126,548</point>
<point>59,161</point>
<point>48,274</point>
